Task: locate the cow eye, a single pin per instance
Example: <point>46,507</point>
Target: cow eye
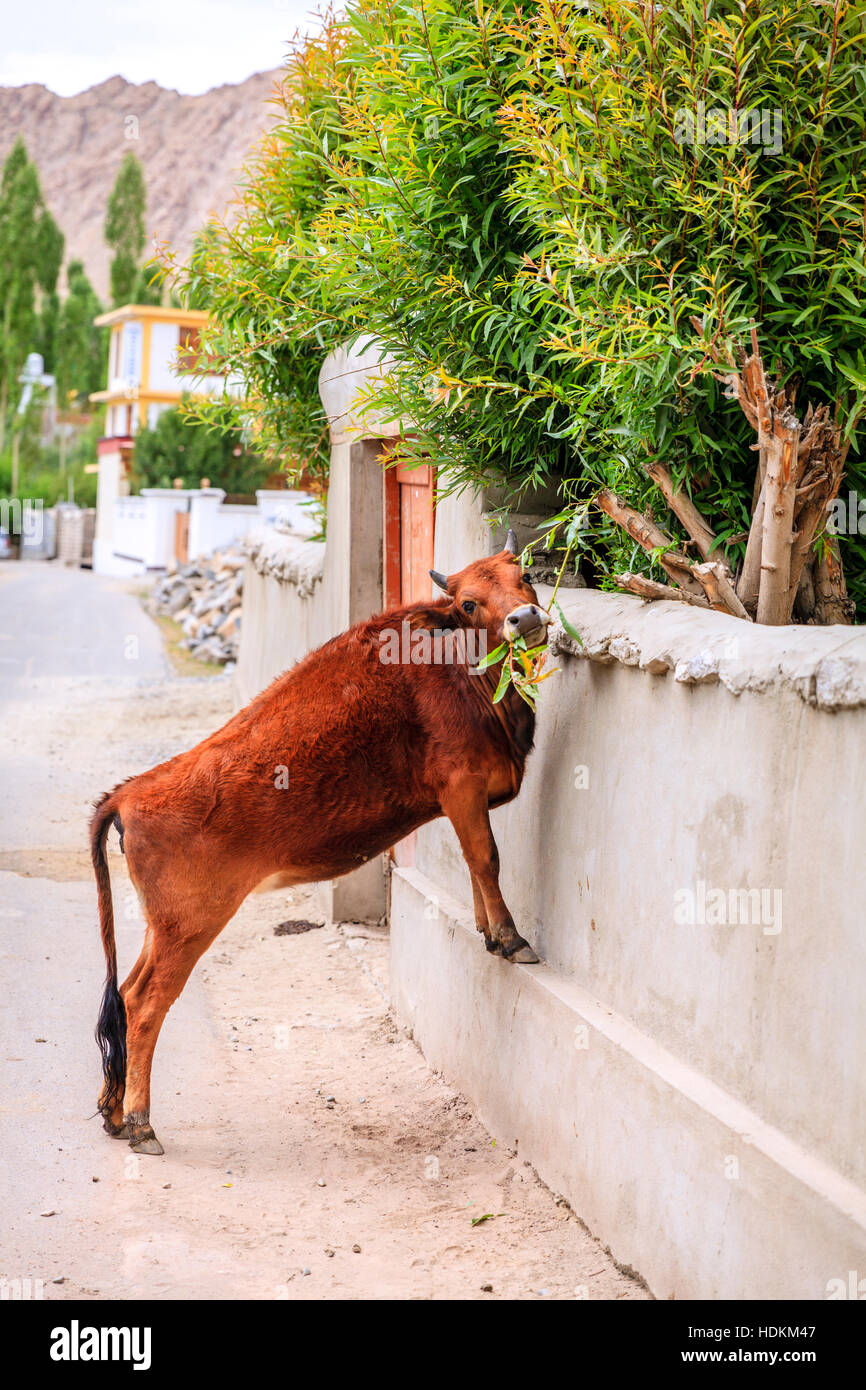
<point>468,606</point>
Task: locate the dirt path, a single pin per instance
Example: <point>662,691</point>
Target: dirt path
<point>310,1152</point>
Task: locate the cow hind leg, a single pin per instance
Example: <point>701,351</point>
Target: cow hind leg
<point>154,985</point>
<point>111,1107</point>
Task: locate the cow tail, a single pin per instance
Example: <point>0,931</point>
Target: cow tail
<point>111,1024</point>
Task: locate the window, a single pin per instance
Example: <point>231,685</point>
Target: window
<point>115,353</point>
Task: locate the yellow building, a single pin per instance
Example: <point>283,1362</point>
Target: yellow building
<point>153,360</point>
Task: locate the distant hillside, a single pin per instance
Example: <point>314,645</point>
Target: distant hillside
<point>192,149</point>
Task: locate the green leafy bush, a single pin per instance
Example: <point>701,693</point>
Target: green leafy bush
<point>529,208</point>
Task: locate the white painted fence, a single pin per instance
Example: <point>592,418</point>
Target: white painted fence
<point>142,533</point>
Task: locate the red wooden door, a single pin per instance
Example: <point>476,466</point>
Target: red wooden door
<point>408,534</point>
<point>408,557</point>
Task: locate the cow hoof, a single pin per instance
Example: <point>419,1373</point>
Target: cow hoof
<point>116,1131</point>
<point>144,1141</point>
<point>491,945</point>
<point>147,1146</point>
<point>521,954</point>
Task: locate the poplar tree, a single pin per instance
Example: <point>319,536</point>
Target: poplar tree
<point>31,253</point>
<point>124,229</point>
<point>80,355</point>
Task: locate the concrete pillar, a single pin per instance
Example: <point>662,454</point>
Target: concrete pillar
<point>112,483</point>
<point>353,562</point>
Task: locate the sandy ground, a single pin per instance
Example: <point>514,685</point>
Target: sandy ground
<point>310,1151</point>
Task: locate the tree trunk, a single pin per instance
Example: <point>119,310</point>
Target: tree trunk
<point>799,472</point>
<point>780,495</point>
<point>832,604</point>
<point>804,601</point>
<point>749,584</point>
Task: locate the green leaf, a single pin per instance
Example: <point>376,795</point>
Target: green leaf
<point>570,630</point>
<point>490,657</point>
<point>504,682</point>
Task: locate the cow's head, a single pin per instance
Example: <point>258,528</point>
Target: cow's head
<point>492,594</point>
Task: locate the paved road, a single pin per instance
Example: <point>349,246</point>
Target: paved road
<point>58,621</point>
<point>268,1185</point>
<point>81,664</point>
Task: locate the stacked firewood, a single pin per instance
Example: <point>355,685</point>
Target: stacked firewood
<point>205,597</point>
<point>800,467</point>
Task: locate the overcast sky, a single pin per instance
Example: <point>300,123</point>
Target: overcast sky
<point>189,44</point>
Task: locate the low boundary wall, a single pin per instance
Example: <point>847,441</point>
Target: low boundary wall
<point>688,1066</point>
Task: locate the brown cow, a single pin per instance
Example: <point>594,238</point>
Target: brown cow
<point>367,749</point>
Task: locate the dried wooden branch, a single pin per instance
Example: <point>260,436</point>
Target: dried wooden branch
<point>651,538</point>
<point>706,585</point>
<point>719,589</point>
<point>685,510</point>
<point>639,527</point>
<point>652,589</point>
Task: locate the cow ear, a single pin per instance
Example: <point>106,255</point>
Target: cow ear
<point>511,542</point>
<point>440,579</point>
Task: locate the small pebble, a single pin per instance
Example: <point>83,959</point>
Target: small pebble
<point>330,1254</point>
<point>48,1213</point>
<point>61,1279</point>
<point>94,1179</point>
<point>486,1288</point>
<point>356,1249</point>
<point>166,1184</point>
<point>305,1270</point>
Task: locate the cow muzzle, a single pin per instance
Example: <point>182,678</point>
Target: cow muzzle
<point>528,622</point>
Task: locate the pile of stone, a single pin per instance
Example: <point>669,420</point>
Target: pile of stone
<point>205,596</point>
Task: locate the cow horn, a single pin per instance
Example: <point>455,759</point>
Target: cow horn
<point>440,579</point>
<point>511,542</point>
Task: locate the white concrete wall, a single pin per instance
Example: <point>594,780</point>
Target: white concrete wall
<point>696,1088</point>
<point>287,609</point>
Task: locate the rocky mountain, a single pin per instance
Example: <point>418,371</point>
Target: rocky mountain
<point>192,149</point>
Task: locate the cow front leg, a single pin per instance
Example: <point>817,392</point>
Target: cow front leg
<point>482,924</point>
<point>465,805</point>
